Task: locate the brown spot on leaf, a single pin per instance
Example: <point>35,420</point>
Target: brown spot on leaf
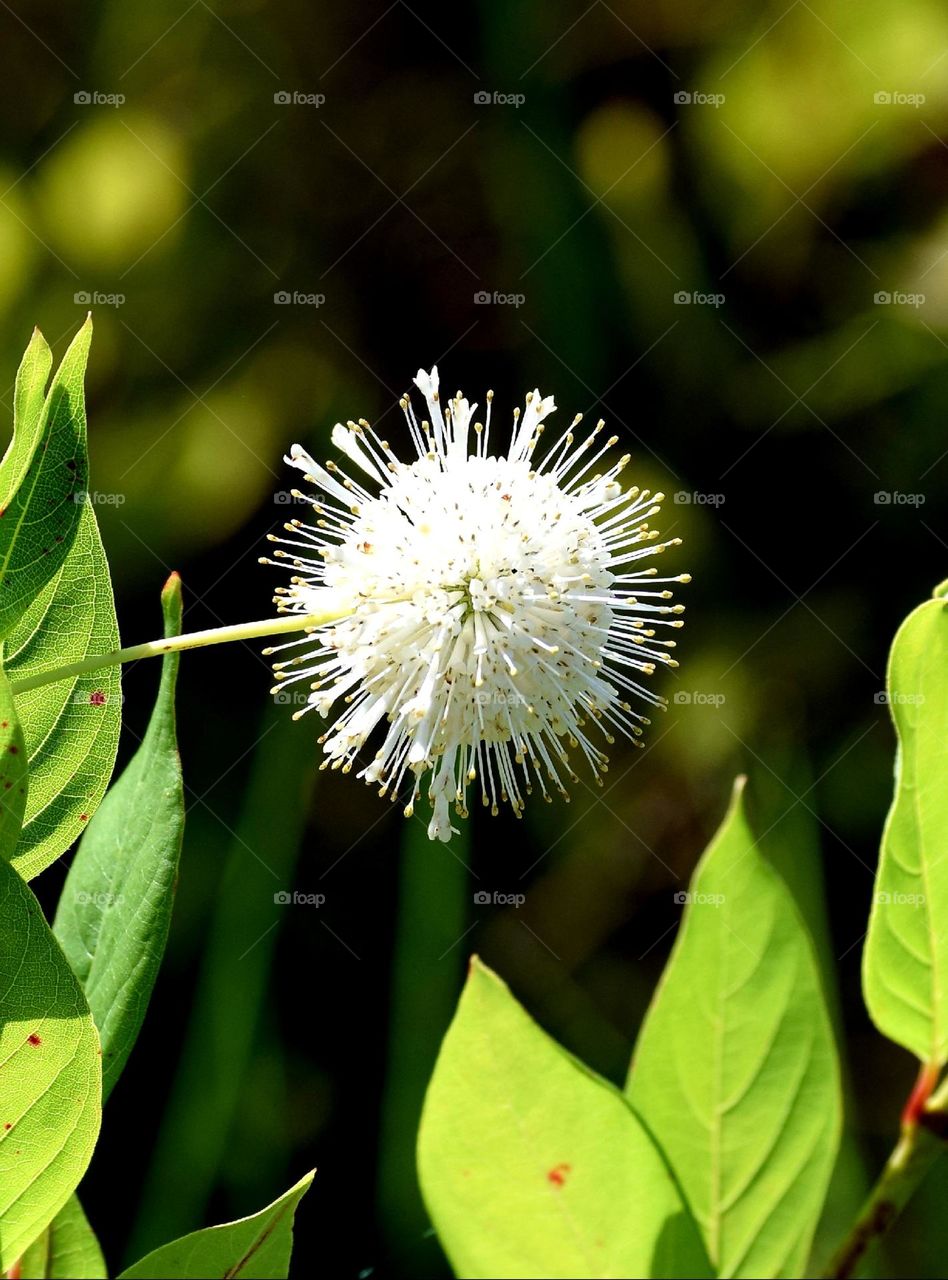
<point>34,1039</point>
<point>557,1175</point>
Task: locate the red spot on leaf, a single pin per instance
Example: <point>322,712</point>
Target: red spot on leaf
<point>14,751</point>
<point>83,817</point>
<point>98,698</point>
<point>34,1039</point>
<point>8,1125</point>
<point>557,1175</point>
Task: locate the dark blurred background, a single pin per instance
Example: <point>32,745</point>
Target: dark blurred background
<point>721,227</point>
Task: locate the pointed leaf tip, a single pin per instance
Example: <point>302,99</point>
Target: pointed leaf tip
<point>129,857</point>
<point>530,1164</point>
<point>259,1245</point>
<point>746,1108</point>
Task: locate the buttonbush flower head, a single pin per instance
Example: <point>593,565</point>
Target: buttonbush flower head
<point>502,617</point>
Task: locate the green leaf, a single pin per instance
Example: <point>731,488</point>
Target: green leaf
<point>43,475</point>
<point>66,1250</point>
<point>257,1246</point>
<point>71,727</point>
<point>50,1073</point>
<point>905,962</point>
<point>735,1071</point>
<point>28,395</point>
<point>532,1165</point>
<point>115,909</point>
<point>229,1023</point>
<point>14,779</point>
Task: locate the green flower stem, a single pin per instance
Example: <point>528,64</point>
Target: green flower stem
<point>173,644</point>
<point>921,1142</point>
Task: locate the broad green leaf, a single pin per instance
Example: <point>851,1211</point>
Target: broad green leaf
<point>115,908</point>
<point>43,475</point>
<point>735,1071</point>
<point>905,962</point>
<point>66,1250</point>
<point>50,1073</point>
<point>257,1246</point>
<point>71,727</point>
<point>13,771</point>
<point>532,1165</point>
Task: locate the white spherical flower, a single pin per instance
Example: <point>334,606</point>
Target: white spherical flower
<point>499,614</point>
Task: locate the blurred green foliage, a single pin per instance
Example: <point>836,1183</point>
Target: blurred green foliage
<point>782,413</point>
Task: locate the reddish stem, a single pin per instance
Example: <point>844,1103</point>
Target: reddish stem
<point>924,1087</point>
